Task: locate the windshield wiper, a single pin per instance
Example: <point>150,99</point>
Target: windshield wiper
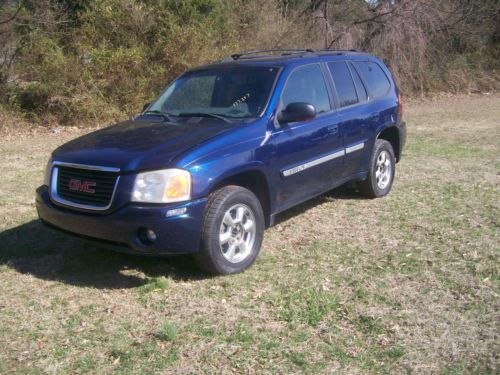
<point>166,115</point>
<point>204,114</point>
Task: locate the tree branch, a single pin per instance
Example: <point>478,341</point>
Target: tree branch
<point>11,18</point>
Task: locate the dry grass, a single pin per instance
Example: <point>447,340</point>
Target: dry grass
<point>405,284</point>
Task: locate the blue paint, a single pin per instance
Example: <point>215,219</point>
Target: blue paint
<point>214,151</point>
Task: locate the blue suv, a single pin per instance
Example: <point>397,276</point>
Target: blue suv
<point>206,167</point>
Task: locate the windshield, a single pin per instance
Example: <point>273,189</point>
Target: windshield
<point>236,92</point>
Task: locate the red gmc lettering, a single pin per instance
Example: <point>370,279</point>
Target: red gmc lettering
<point>83,186</point>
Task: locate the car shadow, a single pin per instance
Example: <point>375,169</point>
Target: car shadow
<point>35,249</point>
<point>32,248</point>
<point>347,191</point>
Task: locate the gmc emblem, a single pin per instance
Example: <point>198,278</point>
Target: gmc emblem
<point>83,186</point>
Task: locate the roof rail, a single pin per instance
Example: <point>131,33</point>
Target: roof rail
<point>285,51</point>
<point>339,50</point>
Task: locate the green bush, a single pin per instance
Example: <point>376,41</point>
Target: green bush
<point>117,56</point>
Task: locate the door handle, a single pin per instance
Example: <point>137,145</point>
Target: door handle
<point>333,129</point>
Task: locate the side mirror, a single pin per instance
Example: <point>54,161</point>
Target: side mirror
<point>297,112</point>
<point>145,106</point>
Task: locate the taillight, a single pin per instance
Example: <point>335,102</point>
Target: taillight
<point>400,100</point>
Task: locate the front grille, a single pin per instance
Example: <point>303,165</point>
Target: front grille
<point>86,187</point>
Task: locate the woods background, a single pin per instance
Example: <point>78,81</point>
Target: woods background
<point>86,62</point>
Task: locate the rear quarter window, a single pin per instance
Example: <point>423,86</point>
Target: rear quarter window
<point>375,79</point>
<point>343,83</point>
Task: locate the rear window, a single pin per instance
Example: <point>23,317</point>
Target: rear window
<point>343,83</point>
<point>376,81</point>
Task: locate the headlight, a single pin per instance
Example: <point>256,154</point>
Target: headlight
<point>163,186</point>
<point>48,172</point>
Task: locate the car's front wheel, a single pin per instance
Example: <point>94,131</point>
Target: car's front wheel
<point>381,173</point>
<point>232,232</point>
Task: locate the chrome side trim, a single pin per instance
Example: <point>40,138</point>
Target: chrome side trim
<point>357,147</point>
<point>313,163</point>
<point>85,166</point>
<point>63,202</point>
<point>266,137</point>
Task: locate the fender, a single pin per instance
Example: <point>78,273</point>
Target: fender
<point>253,166</point>
<point>253,176</point>
<point>396,141</point>
<point>383,127</point>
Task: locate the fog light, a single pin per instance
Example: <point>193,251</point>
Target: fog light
<point>147,236</point>
<point>151,235</point>
<point>176,211</point>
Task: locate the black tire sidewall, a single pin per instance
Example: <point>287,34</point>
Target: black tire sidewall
<point>381,145</point>
<point>214,217</point>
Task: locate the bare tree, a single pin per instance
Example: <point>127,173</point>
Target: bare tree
<point>9,11</point>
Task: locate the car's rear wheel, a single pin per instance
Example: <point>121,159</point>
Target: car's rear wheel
<point>381,173</point>
<point>232,232</point>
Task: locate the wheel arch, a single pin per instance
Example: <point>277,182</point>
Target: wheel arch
<point>253,180</point>
<point>391,135</point>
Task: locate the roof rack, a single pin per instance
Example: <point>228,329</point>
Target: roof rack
<point>284,52</point>
<point>338,50</point>
<point>253,54</point>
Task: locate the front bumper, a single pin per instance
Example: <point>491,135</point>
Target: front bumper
<point>119,229</point>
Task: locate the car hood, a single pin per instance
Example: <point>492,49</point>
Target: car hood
<point>140,144</point>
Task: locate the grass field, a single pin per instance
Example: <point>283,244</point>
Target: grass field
<point>404,284</point>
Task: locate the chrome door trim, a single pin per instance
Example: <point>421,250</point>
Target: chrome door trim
<point>313,163</point>
<point>355,147</point>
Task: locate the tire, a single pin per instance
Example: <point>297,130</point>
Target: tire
<point>381,171</point>
<point>232,232</point>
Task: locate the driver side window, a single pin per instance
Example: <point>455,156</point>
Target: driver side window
<point>307,84</point>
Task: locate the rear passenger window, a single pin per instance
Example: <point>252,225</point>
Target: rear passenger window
<point>376,81</point>
<point>306,84</point>
<point>360,88</point>
<point>343,83</point>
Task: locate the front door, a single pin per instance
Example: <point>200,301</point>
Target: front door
<point>309,154</point>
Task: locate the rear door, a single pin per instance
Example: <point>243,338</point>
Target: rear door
<point>355,118</point>
<point>309,154</point>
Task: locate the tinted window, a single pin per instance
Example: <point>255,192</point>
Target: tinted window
<point>306,84</point>
<point>376,81</point>
<point>343,83</point>
<point>360,88</point>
